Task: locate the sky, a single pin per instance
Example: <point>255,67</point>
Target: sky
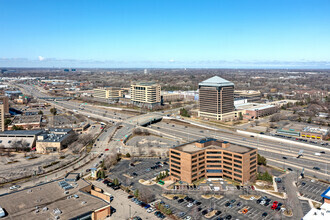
<point>165,33</point>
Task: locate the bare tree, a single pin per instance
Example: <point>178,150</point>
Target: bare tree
<point>146,195</point>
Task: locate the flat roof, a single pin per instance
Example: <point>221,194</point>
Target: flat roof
<point>192,148</point>
<point>22,204</point>
<point>216,81</point>
<point>21,132</point>
<point>253,106</point>
<point>26,119</point>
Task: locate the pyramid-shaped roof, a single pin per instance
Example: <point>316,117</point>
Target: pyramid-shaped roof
<point>216,81</point>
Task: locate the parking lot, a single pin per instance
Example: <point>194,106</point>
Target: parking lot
<point>255,211</point>
<point>312,190</point>
<point>141,169</point>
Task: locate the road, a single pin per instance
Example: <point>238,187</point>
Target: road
<point>274,152</point>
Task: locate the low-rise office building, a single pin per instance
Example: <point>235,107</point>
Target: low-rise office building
<point>250,95</point>
<point>29,137</point>
<point>145,94</point>
<point>211,158</point>
<point>315,133</point>
<point>108,93</point>
<point>57,200</point>
<point>54,140</point>
<point>252,111</point>
<point>26,122</point>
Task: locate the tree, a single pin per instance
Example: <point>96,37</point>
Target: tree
<point>7,121</point>
<point>261,160</point>
<point>40,112</point>
<point>53,111</point>
<point>116,182</point>
<point>299,119</point>
<point>18,127</point>
<point>240,116</point>
<point>128,155</point>
<point>136,193</point>
<point>184,112</point>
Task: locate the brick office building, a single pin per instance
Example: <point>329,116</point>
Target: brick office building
<point>211,158</point>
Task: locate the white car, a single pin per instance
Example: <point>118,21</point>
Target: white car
<point>190,205</point>
<point>187,218</point>
<point>251,198</point>
<point>149,210</point>
<point>14,187</point>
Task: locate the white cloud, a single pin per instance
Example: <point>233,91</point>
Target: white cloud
<point>41,58</point>
<point>171,61</point>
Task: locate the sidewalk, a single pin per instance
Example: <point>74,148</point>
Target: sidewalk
<point>125,208</point>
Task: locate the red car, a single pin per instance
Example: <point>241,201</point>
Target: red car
<point>106,149</point>
<point>252,187</point>
<point>275,203</point>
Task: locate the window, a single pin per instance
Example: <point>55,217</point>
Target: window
<point>194,175</point>
<point>178,158</point>
<point>176,171</point>
<point>240,176</point>
<point>237,180</point>
<point>176,153</point>
<point>237,156</point>
<point>253,172</point>
<point>194,180</point>
<point>229,168</point>
<point>253,162</point>
<point>201,163</point>
<point>225,162</point>
<point>193,171</point>
<point>213,161</point>
<point>194,161</point>
<point>227,158</point>
<point>214,171</point>
<point>252,167</point>
<point>173,161</point>
<point>194,156</point>
<point>224,175</point>
<point>254,153</point>
<point>172,174</point>
<point>193,166</point>
<point>235,165</point>
<point>236,170</point>
<point>213,152</point>
<point>238,161</point>
<point>225,171</point>
<point>175,166</point>
<point>218,157</point>
<point>225,153</point>
<point>201,154</point>
<point>213,166</point>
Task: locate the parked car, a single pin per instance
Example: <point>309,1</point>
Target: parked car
<point>180,200</point>
<point>274,206</point>
<point>316,168</point>
<point>264,215</point>
<point>245,211</point>
<point>14,187</point>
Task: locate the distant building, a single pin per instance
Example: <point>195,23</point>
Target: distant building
<point>211,158</point>
<point>4,100</point>
<point>145,94</point>
<point>26,122</point>
<point>250,95</point>
<point>108,93</point>
<point>216,99</point>
<point>29,137</point>
<point>2,117</point>
<point>317,133</point>
<point>54,140</point>
<point>252,111</point>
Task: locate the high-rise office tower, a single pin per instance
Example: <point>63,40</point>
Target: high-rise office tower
<point>216,98</point>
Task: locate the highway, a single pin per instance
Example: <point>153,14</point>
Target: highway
<point>274,152</point>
